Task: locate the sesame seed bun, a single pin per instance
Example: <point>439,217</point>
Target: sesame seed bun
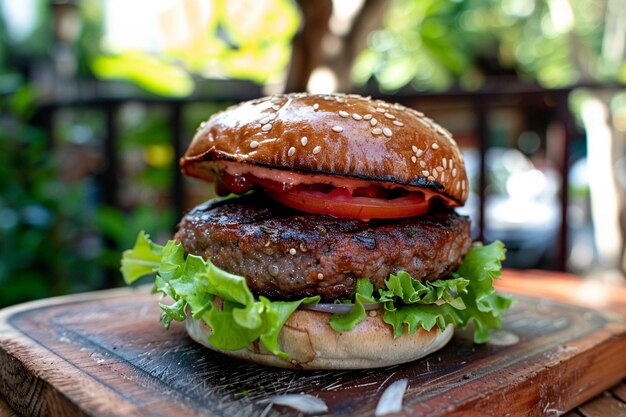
<point>312,344</point>
<point>335,135</point>
<point>350,143</point>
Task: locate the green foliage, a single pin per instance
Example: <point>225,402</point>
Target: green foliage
<point>432,44</point>
<point>36,43</point>
<point>146,71</point>
<point>54,238</point>
<point>241,40</point>
<point>87,45</point>
<point>45,242</point>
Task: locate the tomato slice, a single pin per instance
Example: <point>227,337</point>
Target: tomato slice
<point>367,202</point>
<point>340,203</point>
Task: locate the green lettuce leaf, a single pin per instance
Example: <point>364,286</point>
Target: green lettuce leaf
<point>466,296</point>
<point>363,294</point>
<point>143,259</point>
<point>485,307</point>
<point>226,304</point>
<point>277,314</point>
<point>193,284</point>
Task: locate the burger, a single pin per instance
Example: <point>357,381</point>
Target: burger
<point>333,243</point>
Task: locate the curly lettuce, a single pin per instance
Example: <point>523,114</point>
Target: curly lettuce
<point>193,284</point>
<point>240,318</point>
<point>466,296</point>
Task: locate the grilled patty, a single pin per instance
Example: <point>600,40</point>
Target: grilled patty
<point>285,254</point>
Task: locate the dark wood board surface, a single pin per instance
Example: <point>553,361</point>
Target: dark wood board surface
<point>106,354</point>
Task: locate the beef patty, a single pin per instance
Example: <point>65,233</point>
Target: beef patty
<point>285,254</point>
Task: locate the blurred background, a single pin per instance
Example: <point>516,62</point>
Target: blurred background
<point>101,97</point>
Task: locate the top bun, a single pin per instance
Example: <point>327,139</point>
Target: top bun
<point>332,134</point>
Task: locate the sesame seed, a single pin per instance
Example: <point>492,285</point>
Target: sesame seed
<point>422,121</point>
<point>291,151</point>
<point>385,105</point>
<point>435,146</point>
<point>444,162</point>
<point>266,127</point>
<point>320,276</point>
<point>317,150</point>
<point>343,113</point>
<point>458,186</point>
<point>463,185</point>
<point>303,247</point>
<point>398,123</point>
<point>454,172</point>
<point>316,106</point>
<point>440,168</point>
<point>377,131</point>
<point>435,173</point>
<point>374,122</point>
<point>356,116</point>
<point>254,144</point>
<point>341,100</point>
<point>380,110</point>
<point>425,173</point>
<point>272,116</point>
<point>292,251</point>
<point>431,178</point>
<point>337,129</point>
<point>422,164</point>
<point>265,120</point>
<point>390,116</point>
<point>419,153</point>
<point>304,140</point>
<point>442,176</point>
<point>414,149</point>
<point>418,113</point>
<point>367,116</point>
<point>387,132</point>
<point>414,159</point>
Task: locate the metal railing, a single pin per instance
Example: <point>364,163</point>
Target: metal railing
<point>480,102</point>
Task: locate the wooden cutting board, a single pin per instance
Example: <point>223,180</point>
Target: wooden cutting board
<point>106,354</point>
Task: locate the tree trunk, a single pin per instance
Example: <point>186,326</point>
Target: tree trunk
<point>308,53</point>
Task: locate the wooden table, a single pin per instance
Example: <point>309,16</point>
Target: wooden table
<point>53,363</point>
<point>593,294</point>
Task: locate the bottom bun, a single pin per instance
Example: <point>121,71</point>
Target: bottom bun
<point>312,344</point>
